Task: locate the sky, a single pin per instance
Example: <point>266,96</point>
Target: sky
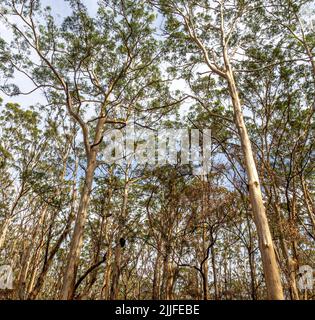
<point>61,8</point>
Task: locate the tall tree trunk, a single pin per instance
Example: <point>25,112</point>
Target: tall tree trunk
<point>271,269</point>
<point>73,258</point>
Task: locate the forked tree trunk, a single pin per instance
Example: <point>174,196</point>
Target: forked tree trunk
<point>73,259</point>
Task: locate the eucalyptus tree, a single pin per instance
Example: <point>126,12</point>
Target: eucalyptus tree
<point>100,69</point>
<point>277,86</point>
<point>207,36</point>
<point>279,111</point>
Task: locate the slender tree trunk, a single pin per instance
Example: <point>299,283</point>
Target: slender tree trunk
<point>251,259</point>
<point>105,294</point>
<point>205,250</point>
<point>270,266</point>
<point>205,267</point>
<point>34,289</point>
<point>156,276</point>
<point>271,269</point>
<point>77,238</point>
<point>20,292</point>
<point>214,271</point>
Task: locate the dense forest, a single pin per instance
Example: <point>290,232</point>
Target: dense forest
<point>74,225</point>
